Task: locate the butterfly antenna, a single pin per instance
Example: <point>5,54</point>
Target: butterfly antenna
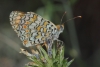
<point>73,18</point>
<point>63,16</point>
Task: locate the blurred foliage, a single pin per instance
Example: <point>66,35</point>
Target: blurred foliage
<point>41,58</point>
<point>81,36</point>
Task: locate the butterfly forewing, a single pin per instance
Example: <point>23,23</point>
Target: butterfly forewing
<point>31,28</point>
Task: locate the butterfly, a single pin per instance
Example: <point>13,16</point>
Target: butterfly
<point>33,29</point>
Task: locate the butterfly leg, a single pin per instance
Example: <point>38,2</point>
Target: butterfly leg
<point>49,46</point>
<point>59,42</point>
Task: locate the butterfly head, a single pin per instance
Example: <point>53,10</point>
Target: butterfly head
<point>60,28</point>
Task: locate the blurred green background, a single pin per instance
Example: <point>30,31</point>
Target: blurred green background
<point>81,36</point>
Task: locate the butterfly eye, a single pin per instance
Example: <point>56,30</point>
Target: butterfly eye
<point>61,27</point>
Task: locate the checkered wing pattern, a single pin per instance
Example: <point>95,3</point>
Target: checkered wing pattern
<point>31,28</point>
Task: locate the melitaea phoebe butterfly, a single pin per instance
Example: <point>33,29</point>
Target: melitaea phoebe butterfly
<point>32,29</point>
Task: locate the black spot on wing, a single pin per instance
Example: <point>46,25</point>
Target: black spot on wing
<point>38,40</point>
<point>49,27</point>
<point>48,21</point>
